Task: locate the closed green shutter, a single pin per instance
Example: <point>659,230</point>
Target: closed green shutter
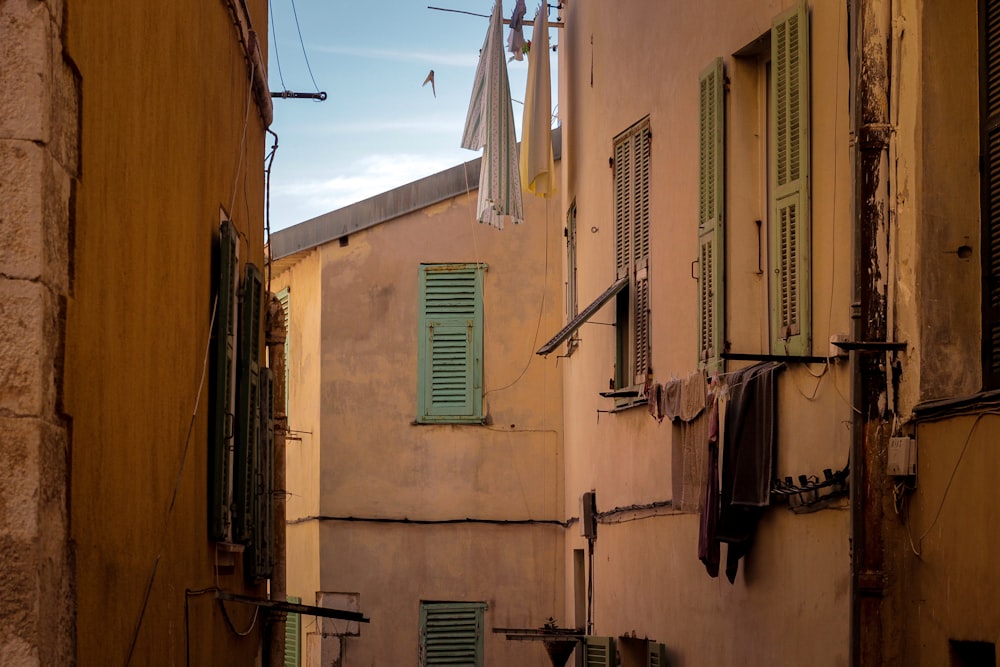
<point>657,655</point>
<point>283,299</point>
<point>293,636</point>
<point>450,355</point>
<point>990,190</point>
<point>599,652</point>
<point>791,285</point>
<point>451,633</point>
<point>223,380</point>
<point>248,404</point>
<point>711,215</point>
<point>259,552</point>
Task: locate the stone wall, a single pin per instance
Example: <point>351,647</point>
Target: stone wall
<point>38,166</point>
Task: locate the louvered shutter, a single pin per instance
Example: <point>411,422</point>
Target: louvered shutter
<point>631,186</point>
<point>451,633</point>
<point>293,637</point>
<point>791,285</point>
<point>259,551</point>
<point>451,350</point>
<point>711,214</point>
<point>599,652</point>
<point>656,654</point>
<point>623,196</point>
<point>640,255</point>
<point>223,380</point>
<point>283,299</point>
<point>248,403</point>
<point>990,191</point>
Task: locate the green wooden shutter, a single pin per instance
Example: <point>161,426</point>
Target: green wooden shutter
<point>248,403</point>
<point>451,343</point>
<point>640,256</point>
<point>451,633</point>
<point>599,652</point>
<point>283,298</point>
<point>258,556</point>
<point>631,193</point>
<point>990,190</point>
<point>791,285</point>
<point>293,636</point>
<point>223,397</point>
<point>623,196</point>
<point>711,215</point>
<point>657,655</point>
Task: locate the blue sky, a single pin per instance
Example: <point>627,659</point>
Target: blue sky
<point>379,127</point>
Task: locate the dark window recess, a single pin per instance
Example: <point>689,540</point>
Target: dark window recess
<point>972,654</point>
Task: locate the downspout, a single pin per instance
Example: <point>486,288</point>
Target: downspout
<point>275,339</point>
<point>870,74</point>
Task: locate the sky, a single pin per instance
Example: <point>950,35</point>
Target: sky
<point>379,127</point>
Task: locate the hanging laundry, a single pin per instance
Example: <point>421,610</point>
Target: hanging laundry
<point>538,170</point>
<point>489,125</point>
<point>653,401</point>
<point>670,399</point>
<point>515,40</point>
<point>708,539</point>
<point>749,445</point>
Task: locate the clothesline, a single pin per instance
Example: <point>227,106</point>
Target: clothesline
<point>552,24</point>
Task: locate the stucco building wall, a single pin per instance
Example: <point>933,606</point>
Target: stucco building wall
<point>619,64</point>
<point>363,467</point>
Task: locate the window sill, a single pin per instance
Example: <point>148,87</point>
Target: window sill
<point>446,421</point>
<point>626,397</point>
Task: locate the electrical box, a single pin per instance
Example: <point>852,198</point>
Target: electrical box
<point>588,520</point>
<point>902,459</point>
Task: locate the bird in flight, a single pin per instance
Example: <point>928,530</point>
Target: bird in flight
<point>430,78</point>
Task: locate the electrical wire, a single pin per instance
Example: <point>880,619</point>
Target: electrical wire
<point>274,41</point>
<point>303,45</point>
<point>229,621</point>
<point>243,137</point>
<point>177,484</point>
<point>541,310</point>
<point>918,547</point>
<point>267,205</point>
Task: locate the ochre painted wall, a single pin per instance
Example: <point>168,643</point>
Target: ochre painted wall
<point>164,98</point>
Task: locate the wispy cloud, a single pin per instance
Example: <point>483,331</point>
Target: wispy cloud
<point>365,178</point>
<point>465,59</point>
<point>436,124</point>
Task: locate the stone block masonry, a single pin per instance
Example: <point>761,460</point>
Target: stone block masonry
<point>39,149</point>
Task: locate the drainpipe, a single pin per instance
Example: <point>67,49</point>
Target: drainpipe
<point>870,74</point>
<point>275,340</point>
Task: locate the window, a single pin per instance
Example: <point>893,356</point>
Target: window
<point>241,431</point>
<point>989,115</point>
<point>223,384</point>
<point>450,352</point>
<point>771,101</point>
<point>631,200</point>
<point>451,633</point>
